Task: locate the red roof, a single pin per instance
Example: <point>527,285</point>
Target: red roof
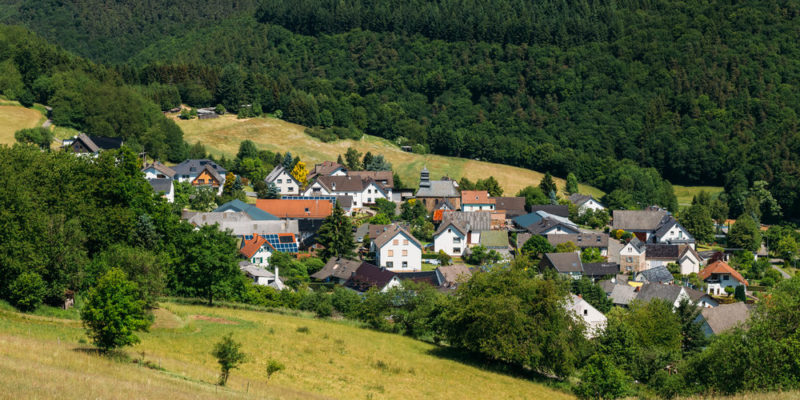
<point>721,267</point>
<point>296,208</point>
<point>475,197</point>
<point>251,246</point>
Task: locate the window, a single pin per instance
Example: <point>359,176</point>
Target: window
<point>306,209</point>
<point>630,259</point>
<point>585,312</point>
<point>405,252</point>
<point>389,264</point>
<point>724,277</point>
<point>280,180</point>
<point>457,250</point>
<point>396,242</point>
<point>405,264</point>
<point>289,189</point>
<point>405,242</point>
<point>457,240</point>
<point>391,253</point>
<point>201,181</point>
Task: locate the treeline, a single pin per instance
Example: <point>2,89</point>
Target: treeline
<point>89,97</point>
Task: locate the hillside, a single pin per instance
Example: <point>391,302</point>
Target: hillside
<point>13,117</point>
<point>42,357</point>
<point>223,135</point>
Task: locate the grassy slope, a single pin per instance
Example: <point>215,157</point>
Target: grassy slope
<point>686,193</point>
<point>14,117</point>
<point>41,357</point>
<point>223,135</point>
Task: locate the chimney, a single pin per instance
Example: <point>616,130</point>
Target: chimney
<point>276,274</point>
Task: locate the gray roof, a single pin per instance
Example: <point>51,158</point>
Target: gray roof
<point>211,218</point>
<point>622,294</point>
<point>240,223</point>
<point>390,233</point>
<point>607,285</point>
<point>600,269</point>
<point>662,251</point>
<point>453,274</point>
<point>476,221</point>
<point>582,240</point>
<point>638,220</point>
<point>726,316</point>
<point>345,201</point>
<point>451,223</point>
<point>195,166</point>
<point>578,199</point>
<point>442,188</point>
<point>554,209</point>
<point>345,183</point>
<point>658,274</point>
<point>666,224</point>
<point>255,271</point>
<point>547,224</point>
<point>339,268</point>
<point>167,171</point>
<point>161,185</point>
<point>89,143</point>
<point>276,172</point>
<point>523,237</point>
<point>650,291</point>
<point>565,262</point>
<point>638,244</point>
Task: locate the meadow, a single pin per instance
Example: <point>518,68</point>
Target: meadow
<point>222,136</point>
<point>14,117</point>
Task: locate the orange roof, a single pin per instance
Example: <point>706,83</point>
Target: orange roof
<point>721,267</point>
<point>296,208</point>
<point>251,247</point>
<point>475,197</point>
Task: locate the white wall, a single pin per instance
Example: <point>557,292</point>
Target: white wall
<point>595,320</point>
<point>477,207</point>
<point>446,241</point>
<point>392,252</point>
<point>286,184</point>
<point>689,265</point>
<point>591,204</point>
<point>718,288</point>
<point>261,258</point>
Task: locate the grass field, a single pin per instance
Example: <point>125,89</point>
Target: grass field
<point>223,135</point>
<point>686,193</point>
<point>42,357</point>
<point>14,117</point>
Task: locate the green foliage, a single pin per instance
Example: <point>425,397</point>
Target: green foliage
<point>536,246</point>
<point>209,265</point>
<point>377,163</point>
<point>443,258</point>
<point>422,229</point>
<point>566,247</point>
<point>593,294</point>
<point>572,184</point>
<point>480,255</point>
<point>27,291</point>
<point>353,159</point>
<point>41,137</point>
<point>601,379</point>
<point>113,311</point>
<point>386,207</point>
<point>697,220</point>
<point>336,234</point>
<point>412,210</point>
<point>739,294</point>
<point>547,185</point>
<point>380,219</point>
<point>591,255</point>
<point>533,196</point>
<point>745,234</point>
<point>229,355</point>
<point>143,267</point>
<point>273,367</point>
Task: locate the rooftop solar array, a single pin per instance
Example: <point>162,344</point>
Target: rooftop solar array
<point>283,243</point>
<point>332,199</point>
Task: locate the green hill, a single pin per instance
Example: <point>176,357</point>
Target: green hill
<point>43,357</point>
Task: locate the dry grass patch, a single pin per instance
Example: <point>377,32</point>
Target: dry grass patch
<point>223,135</point>
<point>686,193</point>
<point>14,118</point>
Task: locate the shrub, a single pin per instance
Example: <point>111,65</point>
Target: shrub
<point>27,291</point>
<point>274,366</point>
<point>229,356</point>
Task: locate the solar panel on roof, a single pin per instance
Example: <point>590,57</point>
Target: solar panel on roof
<point>282,243</point>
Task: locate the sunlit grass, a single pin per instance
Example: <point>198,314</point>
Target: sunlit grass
<point>14,118</point>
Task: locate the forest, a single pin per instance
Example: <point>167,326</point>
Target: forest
<point>703,93</point>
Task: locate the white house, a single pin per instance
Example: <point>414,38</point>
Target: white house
<point>594,320</point>
<point>158,170</point>
<point>363,191</point>
<point>397,250</point>
<point>690,261</point>
<point>285,182</point>
<point>257,250</point>
<point>451,238</point>
<point>476,200</point>
<point>719,275</point>
<point>632,257</point>
<point>674,233</point>
<point>585,202</point>
<point>261,276</point>
<point>165,187</point>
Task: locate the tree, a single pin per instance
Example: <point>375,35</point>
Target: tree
<point>422,229</point>
<point>745,234</point>
<point>547,185</point>
<point>536,246</point>
<point>27,291</point>
<point>336,234</point>
<point>288,161</point>
<point>208,266</point>
<point>367,159</point>
<point>274,366</point>
<point>693,338</point>
<point>229,355</point>
<point>739,293</point>
<point>490,185</point>
<point>465,184</point>
<point>380,219</point>
<point>591,255</point>
<point>444,258</point>
<point>601,379</point>
<point>697,220</point>
<point>227,187</point>
<point>339,160</point>
<point>592,293</point>
<point>572,184</point>
<point>566,247</point>
<point>386,207</point>
<point>787,247</point>
<point>219,109</point>
<point>267,190</point>
<point>300,173</point>
<point>113,311</point>
<point>480,255</point>
<point>533,196</point>
<point>378,163</point>
<point>145,268</point>
<point>41,137</point>
<point>353,159</point>
<point>247,149</point>
<point>412,210</point>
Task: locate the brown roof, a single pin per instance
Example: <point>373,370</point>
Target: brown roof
<point>326,168</point>
<point>251,247</point>
<point>283,208</point>
<point>638,220</point>
<point>384,178</point>
<point>721,267</point>
<point>393,231</point>
<point>375,230</point>
<point>565,262</point>
<point>454,274</point>
<point>160,168</point>
<point>475,197</point>
<point>367,276</point>
<point>340,268</point>
<point>581,240</point>
<point>513,206</point>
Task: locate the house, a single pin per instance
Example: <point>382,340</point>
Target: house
<point>674,294</point>
<point>363,191</point>
<point>701,299</point>
<point>622,294</point>
<point>327,168</point>
<point>658,274</point>
<point>595,271</point>
<point>369,276</point>
<point>564,263</point>
<point>652,225</point>
<point>261,276</point>
<point>497,241</point>
<point>207,113</point>
<point>433,193</point>
<point>259,248</point>
<point>476,200</point>
<point>689,261</point>
<point>512,206</point>
<point>582,241</point>
<point>84,144</point>
<point>284,181</point>
<point>632,256</point>
<point>658,255</point>
<point>158,170</point>
<point>552,209</point>
<point>451,276</point>
<point>190,171</point>
<point>593,319</point>
<point>719,275</point>
<point>473,222</point>
<point>385,179</point>
<point>240,224</point>
<point>296,208</point>
<point>541,222</point>
<point>585,202</point>
<point>717,320</point>
<point>255,213</point>
<point>164,187</point>
<point>451,237</point>
<point>397,250</point>
<point>337,270</point>
<point>426,277</point>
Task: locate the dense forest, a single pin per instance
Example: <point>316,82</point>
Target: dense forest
<point>704,93</point>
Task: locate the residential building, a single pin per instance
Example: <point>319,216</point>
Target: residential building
<point>158,170</point>
<point>451,276</point>
<point>83,144</point>
<point>327,168</point>
<point>564,263</point>
<point>593,319</point>
<point>337,270</point>
<point>190,170</point>
<point>632,256</point>
<point>719,275</point>
<point>473,222</point>
<point>296,208</point>
<point>369,276</point>
<point>259,248</point>
<point>164,187</point>
<point>476,200</point>
<point>652,225</point>
<point>595,271</point>
<point>622,294</point>
<point>512,206</point>
<point>582,241</point>
<point>552,209</point>
<point>658,274</point>
<point>717,320</point>
<point>385,179</point>
<point>433,193</point>
<point>451,237</point>
<point>674,294</point>
<point>541,222</point>
<point>363,191</point>
<point>255,213</point>
<point>585,202</point>
<point>397,250</point>
<point>284,181</point>
<point>498,241</point>
<point>261,276</point>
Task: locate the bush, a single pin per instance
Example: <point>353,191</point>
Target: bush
<point>27,291</point>
<point>114,311</point>
<point>601,379</point>
<point>229,356</point>
<point>274,366</point>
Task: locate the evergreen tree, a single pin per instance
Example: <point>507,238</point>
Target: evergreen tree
<point>339,160</point>
<point>697,220</point>
<point>247,149</point>
<point>367,160</point>
<point>288,161</point>
<point>547,185</point>
<point>336,234</point>
<point>572,184</point>
<point>353,158</point>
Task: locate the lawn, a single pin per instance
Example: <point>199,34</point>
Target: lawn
<point>223,135</point>
<point>686,193</point>
<point>14,117</point>
<point>43,357</point>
